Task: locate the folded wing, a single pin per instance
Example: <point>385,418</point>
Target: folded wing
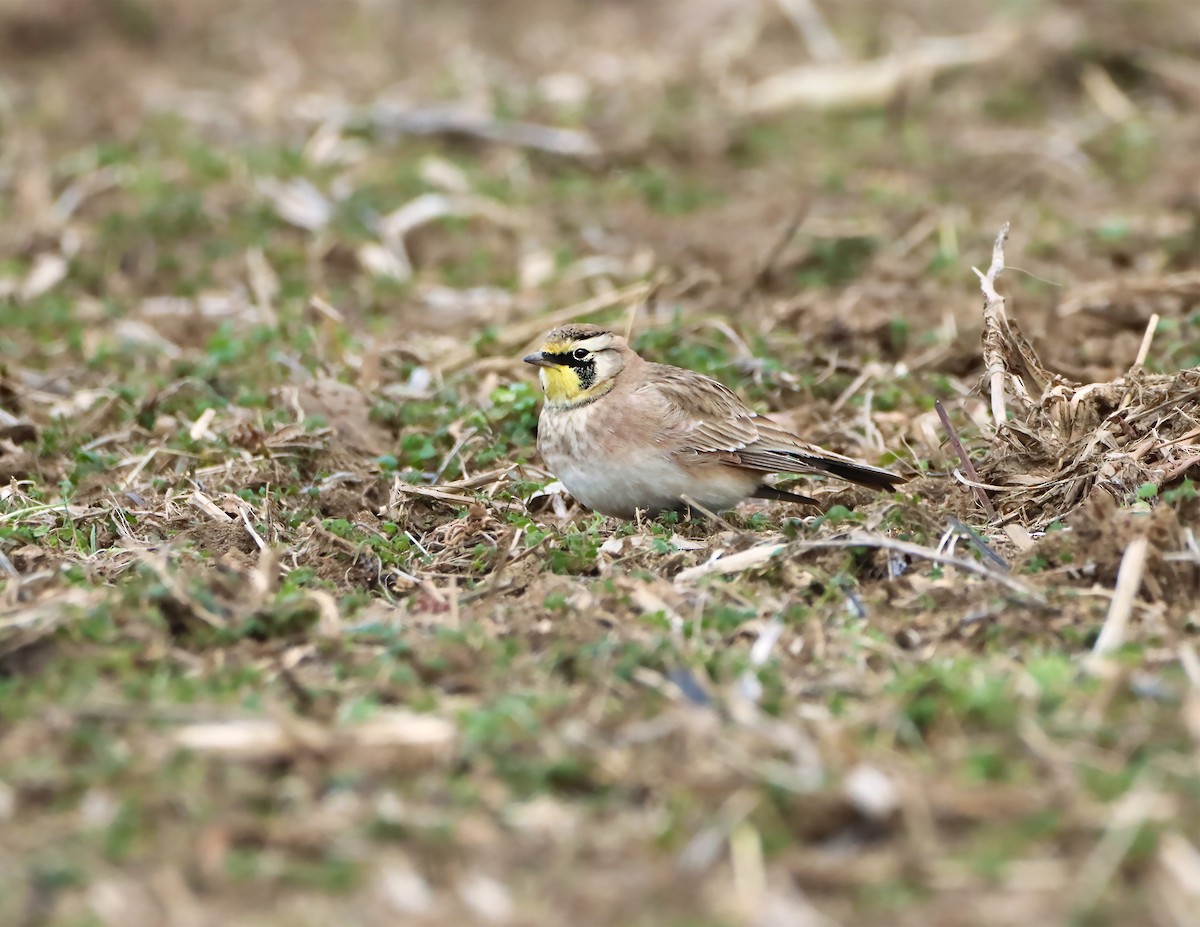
<point>704,418</point>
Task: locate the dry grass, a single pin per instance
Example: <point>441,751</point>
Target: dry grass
<point>294,629</point>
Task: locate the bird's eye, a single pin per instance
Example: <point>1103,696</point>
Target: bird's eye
<point>580,354</point>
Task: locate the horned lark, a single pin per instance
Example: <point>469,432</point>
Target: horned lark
<point>623,434</point>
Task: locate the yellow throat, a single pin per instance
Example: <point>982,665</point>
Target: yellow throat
<point>564,388</point>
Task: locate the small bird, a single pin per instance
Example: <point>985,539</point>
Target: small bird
<point>622,433</point>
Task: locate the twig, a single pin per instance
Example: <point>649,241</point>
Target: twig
<point>244,511</point>
<point>706,512</point>
<point>867,373</point>
<point>1103,293</point>
<point>1139,805</point>
<point>462,120</point>
<point>841,84</point>
<point>506,548</point>
<point>1109,98</point>
<point>480,479</point>
<point>41,509</point>
<point>461,443</point>
<point>1191,665</point>
<point>200,501</point>
<point>1180,860</point>
<point>968,467</point>
<point>734,563</point>
<point>977,541</point>
<point>1177,400</point>
<point>434,492</point>
<point>1147,338</point>
<point>1129,581</point>
<point>880,542</point>
<point>782,240</point>
<point>631,316</point>
<point>653,290</point>
<point>142,463</point>
<point>749,873</point>
<point>993,312</point>
<point>1140,361</point>
<point>988,281</point>
<point>806,17</point>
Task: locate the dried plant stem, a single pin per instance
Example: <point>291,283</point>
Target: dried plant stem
<point>806,17</point>
<point>786,233</point>
<point>706,512</point>
<point>1140,361</point>
<point>993,312</point>
<point>968,467</point>
<point>505,554</point>
<point>734,563</point>
<point>455,119</point>
<point>882,542</point>
<point>244,511</point>
<point>1130,815</point>
<point>1147,338</point>
<point>841,83</point>
<point>1129,581</point>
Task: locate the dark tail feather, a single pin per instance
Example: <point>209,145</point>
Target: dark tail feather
<point>782,495</point>
<point>856,473</point>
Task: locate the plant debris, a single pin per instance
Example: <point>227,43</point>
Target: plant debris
<point>296,628</point>
<point>1066,440</point>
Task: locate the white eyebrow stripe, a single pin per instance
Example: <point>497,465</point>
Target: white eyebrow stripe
<point>595,343</point>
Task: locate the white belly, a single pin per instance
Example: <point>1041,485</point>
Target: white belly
<point>619,482</point>
<point>619,487</point>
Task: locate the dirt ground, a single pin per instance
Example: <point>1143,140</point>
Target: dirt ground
<point>296,629</point>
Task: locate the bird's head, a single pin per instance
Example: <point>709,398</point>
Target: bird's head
<point>579,363</point>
